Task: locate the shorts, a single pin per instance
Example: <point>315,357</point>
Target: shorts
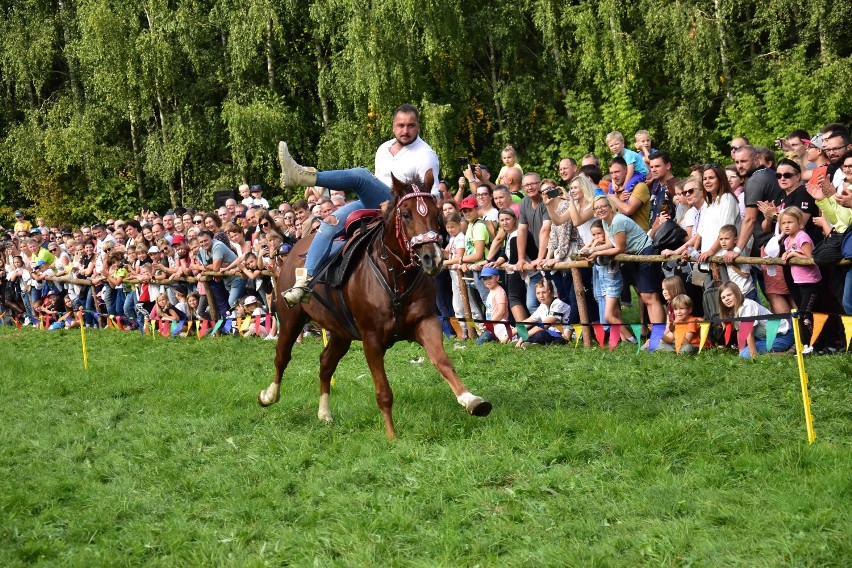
<point>649,275</point>
<point>611,283</point>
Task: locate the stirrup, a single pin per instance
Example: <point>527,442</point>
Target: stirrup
<point>296,294</point>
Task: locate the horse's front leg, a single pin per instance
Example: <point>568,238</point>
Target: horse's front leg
<point>430,336</point>
<point>330,357</point>
<point>374,351</point>
<point>291,325</point>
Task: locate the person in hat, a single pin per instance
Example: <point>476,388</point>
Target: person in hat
<point>21,224</point>
<point>496,307</point>
<point>257,199</point>
<point>550,312</point>
<point>476,241</point>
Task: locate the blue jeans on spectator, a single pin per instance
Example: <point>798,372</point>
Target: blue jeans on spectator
<point>847,293</point>
<point>532,301</point>
<point>116,304</point>
<point>220,295</point>
<point>782,343</point>
<point>481,288</point>
<point>235,287</point>
<point>91,308</point>
<point>129,306</point>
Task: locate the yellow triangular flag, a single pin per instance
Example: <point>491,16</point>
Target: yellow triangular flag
<point>847,327</point>
<point>578,329</point>
<point>705,331</point>
<point>454,322</point>
<point>679,333</point>
<point>245,325</point>
<point>819,322</point>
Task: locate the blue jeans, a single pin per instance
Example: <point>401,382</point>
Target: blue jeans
<point>782,343</point>
<point>847,293</point>
<point>369,189</point>
<point>236,287</point>
<point>532,301</point>
<point>371,194</point>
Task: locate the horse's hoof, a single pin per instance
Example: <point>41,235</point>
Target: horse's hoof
<point>262,401</point>
<point>481,408</point>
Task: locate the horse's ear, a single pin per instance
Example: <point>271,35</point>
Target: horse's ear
<point>428,181</point>
<point>397,186</point>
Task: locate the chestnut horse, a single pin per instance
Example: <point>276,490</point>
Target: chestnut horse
<point>389,299</point>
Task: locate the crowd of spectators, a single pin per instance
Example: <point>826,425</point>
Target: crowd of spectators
<point>783,203</point>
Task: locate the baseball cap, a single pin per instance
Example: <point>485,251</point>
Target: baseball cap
<point>816,141</point>
<point>256,188</point>
<point>177,239</point>
<point>19,213</point>
<point>488,272</point>
<point>250,300</point>
<point>469,202</point>
<point>154,249</point>
<point>40,263</point>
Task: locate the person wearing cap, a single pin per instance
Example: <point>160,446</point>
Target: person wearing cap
<point>496,307</point>
<point>406,156</point>
<point>21,224</point>
<point>476,240</point>
<point>257,199</point>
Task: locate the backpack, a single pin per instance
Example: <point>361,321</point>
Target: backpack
<point>669,236</point>
<point>710,302</point>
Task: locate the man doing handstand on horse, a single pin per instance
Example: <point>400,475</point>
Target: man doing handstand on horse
<point>406,156</point>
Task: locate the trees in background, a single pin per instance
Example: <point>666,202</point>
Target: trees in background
<point>106,103</point>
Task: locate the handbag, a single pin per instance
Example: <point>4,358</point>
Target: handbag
<point>829,250</point>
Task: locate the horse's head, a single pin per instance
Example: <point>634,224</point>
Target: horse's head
<point>415,216</point>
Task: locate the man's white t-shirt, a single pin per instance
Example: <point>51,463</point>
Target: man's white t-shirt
<point>413,160</point>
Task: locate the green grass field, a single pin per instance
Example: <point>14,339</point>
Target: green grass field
<point>159,455</point>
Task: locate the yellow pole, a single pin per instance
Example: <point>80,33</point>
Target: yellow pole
<point>83,339</point>
<point>803,379</point>
<point>324,343</point>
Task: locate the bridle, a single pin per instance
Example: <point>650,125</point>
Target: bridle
<point>408,244</point>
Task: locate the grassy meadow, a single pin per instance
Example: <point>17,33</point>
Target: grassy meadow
<point>159,455</point>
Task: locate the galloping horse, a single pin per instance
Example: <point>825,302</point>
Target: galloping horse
<point>389,300</point>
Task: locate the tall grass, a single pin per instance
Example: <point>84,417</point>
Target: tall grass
<point>160,455</point>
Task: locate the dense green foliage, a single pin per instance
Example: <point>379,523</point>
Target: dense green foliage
<point>159,455</point>
<point>107,102</point>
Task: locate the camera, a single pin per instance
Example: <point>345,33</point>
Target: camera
<point>552,192</point>
<point>463,162</point>
<point>779,143</point>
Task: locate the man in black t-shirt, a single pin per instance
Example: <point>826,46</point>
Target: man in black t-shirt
<point>761,185</point>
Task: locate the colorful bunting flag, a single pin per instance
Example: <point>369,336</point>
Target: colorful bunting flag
<point>705,332</point>
<point>819,323</point>
<point>847,327</point>
<point>743,332</point>
<point>771,332</point>
<point>599,333</point>
<point>657,331</point>
<point>679,334</point>
<point>614,335</point>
